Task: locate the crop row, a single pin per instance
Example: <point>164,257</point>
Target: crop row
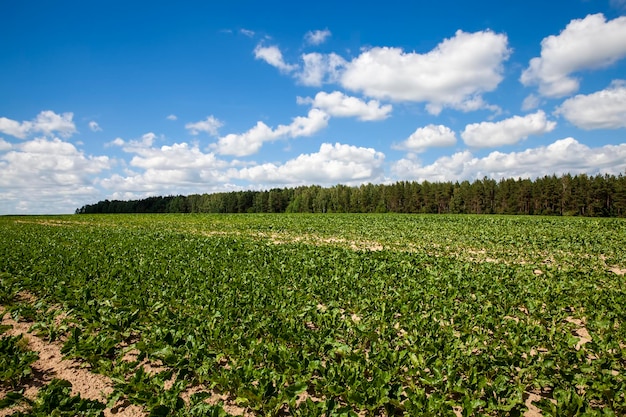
<point>311,326</point>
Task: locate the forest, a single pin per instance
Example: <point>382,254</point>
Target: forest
<point>567,195</point>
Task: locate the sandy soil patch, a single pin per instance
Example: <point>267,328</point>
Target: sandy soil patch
<point>533,410</point>
<point>580,332</point>
<point>51,222</point>
<point>214,399</point>
<point>51,365</point>
<point>89,385</point>
<point>617,270</point>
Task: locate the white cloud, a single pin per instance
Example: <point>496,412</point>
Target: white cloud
<point>604,109</point>
<point>454,74</point>
<point>471,103</point>
<point>14,128</point>
<point>317,37</point>
<point>146,141</point>
<point>508,131</point>
<point>530,102</point>
<point>172,117</point>
<point>315,69</point>
<point>428,137</point>
<point>176,156</point>
<point>116,142</point>
<point>587,43</point>
<point>308,125</point>
<point>337,104</point>
<point>4,145</point>
<point>318,69</point>
<point>458,70</point>
<point>136,145</point>
<point>561,157</point>
<point>179,168</point>
<point>183,169</point>
<point>448,168</point>
<point>94,126</point>
<point>333,164</point>
<point>210,126</point>
<point>273,56</point>
<point>47,176</point>
<point>247,143</point>
<point>46,122</point>
<point>251,141</point>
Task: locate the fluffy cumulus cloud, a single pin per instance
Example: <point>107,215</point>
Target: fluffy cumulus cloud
<point>247,143</point>
<point>454,74</point>
<point>318,69</point>
<point>210,126</point>
<point>561,157</point>
<point>314,69</point>
<point>135,145</point>
<point>333,164</point>
<point>4,145</point>
<point>589,43</point>
<point>14,128</point>
<point>173,168</point>
<point>46,175</point>
<point>428,137</point>
<point>250,142</point>
<point>172,117</point>
<point>337,104</point>
<point>508,131</point>
<point>47,123</point>
<point>273,56</point>
<point>604,109</point>
<point>317,37</point>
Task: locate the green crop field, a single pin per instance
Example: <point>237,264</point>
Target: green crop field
<point>333,315</point>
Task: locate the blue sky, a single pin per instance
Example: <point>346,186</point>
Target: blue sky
<point>124,100</point>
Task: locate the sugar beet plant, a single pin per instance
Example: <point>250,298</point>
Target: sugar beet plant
<point>298,315</point>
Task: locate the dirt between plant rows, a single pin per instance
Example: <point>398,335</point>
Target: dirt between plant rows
<point>89,385</point>
<point>85,383</point>
<point>52,365</point>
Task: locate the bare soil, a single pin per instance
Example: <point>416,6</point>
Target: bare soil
<point>85,383</point>
<point>51,364</point>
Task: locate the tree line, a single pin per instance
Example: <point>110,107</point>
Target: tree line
<point>567,195</point>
